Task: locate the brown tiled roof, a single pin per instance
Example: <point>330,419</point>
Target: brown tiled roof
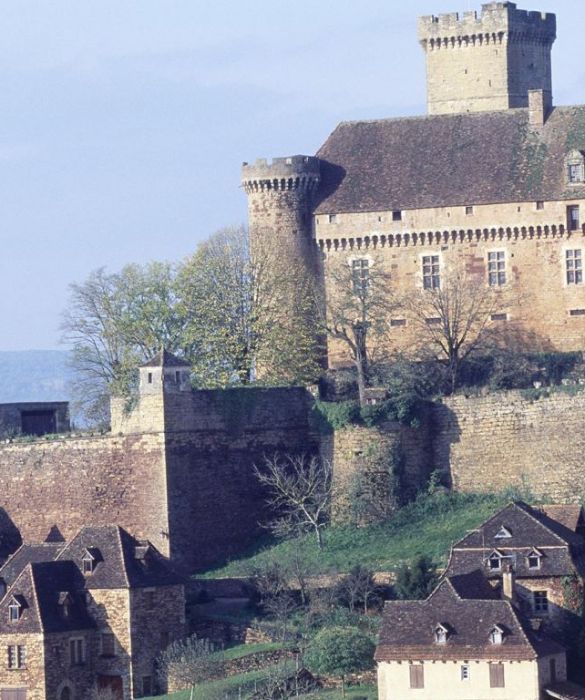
<point>28,554</point>
<point>565,691</point>
<point>449,160</point>
<point>562,550</point>
<point>165,359</point>
<point>408,627</point>
<point>117,564</point>
<point>39,588</point>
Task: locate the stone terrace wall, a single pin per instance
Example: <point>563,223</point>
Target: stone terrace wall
<point>69,483</point>
<point>501,440</point>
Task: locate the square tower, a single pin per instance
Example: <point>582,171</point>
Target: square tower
<point>488,61</point>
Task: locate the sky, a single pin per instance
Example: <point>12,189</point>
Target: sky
<point>124,123</point>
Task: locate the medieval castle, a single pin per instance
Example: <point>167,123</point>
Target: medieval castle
<point>493,178</point>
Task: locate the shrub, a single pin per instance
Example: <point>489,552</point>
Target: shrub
<point>416,581</point>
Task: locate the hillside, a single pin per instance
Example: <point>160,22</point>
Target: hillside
<point>34,375</point>
<point>428,526</point>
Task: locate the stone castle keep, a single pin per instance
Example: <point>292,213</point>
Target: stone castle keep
<point>493,179</point>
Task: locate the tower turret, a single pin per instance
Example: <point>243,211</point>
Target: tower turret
<point>280,195</point>
<point>488,61</point>
<point>280,205</point>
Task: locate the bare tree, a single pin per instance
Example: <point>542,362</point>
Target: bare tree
<point>299,493</point>
<point>189,661</point>
<point>355,310</point>
<point>452,319</point>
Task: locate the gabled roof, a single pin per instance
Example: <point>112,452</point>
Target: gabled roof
<point>28,554</point>
<point>165,359</point>
<point>40,587</point>
<point>115,562</point>
<point>408,627</point>
<point>562,550</point>
<point>449,160</point>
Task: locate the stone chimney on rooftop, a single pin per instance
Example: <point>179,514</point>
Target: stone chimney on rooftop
<point>508,584</point>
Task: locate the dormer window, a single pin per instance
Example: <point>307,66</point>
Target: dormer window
<point>89,561</point>
<point>14,610</point>
<point>533,559</point>
<point>503,533</point>
<point>494,561</point>
<point>497,635</point>
<point>441,634</point>
<point>575,167</point>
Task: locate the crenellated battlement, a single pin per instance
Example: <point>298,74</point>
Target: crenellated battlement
<point>282,174</point>
<point>496,22</point>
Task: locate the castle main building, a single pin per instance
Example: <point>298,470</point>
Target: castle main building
<point>491,181</point>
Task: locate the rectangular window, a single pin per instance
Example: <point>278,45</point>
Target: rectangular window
<point>433,321</point>
<point>577,312</point>
<point>431,272</point>
<point>332,218</point>
<point>417,676</point>
<point>573,218</point>
<point>575,172</point>
<point>77,651</point>
<point>13,694</point>
<point>465,672</point>
<point>574,266</point>
<point>540,601</point>
<point>108,644</point>
<point>396,215</point>
<point>13,613</point>
<point>497,268</point>
<point>16,656</point>
<point>497,676</point>
<point>539,206</point>
<point>468,211</point>
<point>396,322</point>
<point>499,317</point>
<point>360,275</point>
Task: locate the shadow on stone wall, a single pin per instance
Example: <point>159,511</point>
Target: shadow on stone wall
<point>10,538</point>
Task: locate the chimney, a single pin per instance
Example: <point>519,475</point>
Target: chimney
<point>508,587</point>
<point>539,106</point>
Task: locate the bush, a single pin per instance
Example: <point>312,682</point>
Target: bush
<point>416,581</point>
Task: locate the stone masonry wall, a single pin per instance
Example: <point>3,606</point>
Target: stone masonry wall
<point>78,481</point>
<point>504,440</point>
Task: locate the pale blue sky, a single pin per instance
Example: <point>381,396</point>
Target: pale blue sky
<point>123,123</point>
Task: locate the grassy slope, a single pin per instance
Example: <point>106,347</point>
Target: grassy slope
<point>428,526</point>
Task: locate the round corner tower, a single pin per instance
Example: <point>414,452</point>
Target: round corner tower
<point>487,61</point>
<point>280,207</point>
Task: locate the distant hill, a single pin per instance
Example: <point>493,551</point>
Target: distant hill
<point>34,375</point>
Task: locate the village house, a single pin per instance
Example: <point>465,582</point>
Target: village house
<point>464,641</point>
<point>545,548</point>
<point>94,612</point>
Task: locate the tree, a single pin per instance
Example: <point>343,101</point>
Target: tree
<point>358,587</point>
<point>189,661</point>
<point>299,493</point>
<point>416,581</point>
<point>337,651</point>
<point>355,310</point>
<point>114,322</point>
<point>452,319</point>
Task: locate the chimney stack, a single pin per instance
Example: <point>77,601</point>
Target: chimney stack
<point>538,108</point>
<point>508,584</point>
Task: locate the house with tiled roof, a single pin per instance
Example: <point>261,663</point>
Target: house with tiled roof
<point>544,547</point>
<point>93,612</point>
<point>451,647</point>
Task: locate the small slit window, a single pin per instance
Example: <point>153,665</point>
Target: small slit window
<point>150,377</point>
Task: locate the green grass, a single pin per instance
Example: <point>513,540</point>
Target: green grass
<point>428,526</point>
<point>243,650</point>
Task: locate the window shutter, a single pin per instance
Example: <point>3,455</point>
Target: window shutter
<point>497,676</point>
<point>417,676</point>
